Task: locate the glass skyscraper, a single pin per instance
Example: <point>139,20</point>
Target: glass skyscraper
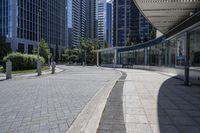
<point>76,15</point>
<point>19,23</point>
<point>102,21</point>
<point>109,23</point>
<point>91,19</point>
<point>128,22</point>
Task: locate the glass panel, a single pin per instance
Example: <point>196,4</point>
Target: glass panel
<point>195,48</point>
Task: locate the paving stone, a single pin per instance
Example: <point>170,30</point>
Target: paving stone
<point>50,101</point>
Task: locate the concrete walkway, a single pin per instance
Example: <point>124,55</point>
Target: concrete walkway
<point>149,102</point>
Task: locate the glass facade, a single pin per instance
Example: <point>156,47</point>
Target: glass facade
<point>21,19</point>
<point>102,21</point>
<point>128,23</point>
<point>161,52</point>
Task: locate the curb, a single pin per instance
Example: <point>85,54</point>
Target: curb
<point>32,75</point>
<point>89,118</point>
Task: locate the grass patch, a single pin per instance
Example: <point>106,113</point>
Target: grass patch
<point>29,71</point>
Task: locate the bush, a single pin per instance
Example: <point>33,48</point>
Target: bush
<point>22,61</point>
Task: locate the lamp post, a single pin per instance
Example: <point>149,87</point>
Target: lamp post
<point>38,47</point>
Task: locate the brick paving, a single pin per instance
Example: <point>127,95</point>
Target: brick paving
<point>49,103</point>
<point>150,102</point>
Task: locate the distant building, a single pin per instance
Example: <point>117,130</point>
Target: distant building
<point>76,28</point>
<point>91,19</point>
<point>109,23</point>
<point>19,23</point>
<point>128,23</point>
<point>145,29</point>
<point>102,21</point>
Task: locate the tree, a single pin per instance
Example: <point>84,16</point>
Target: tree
<point>57,54</point>
<point>89,47</point>
<point>153,33</point>
<point>43,50</point>
<point>130,39</point>
<point>105,44</point>
<point>4,47</point>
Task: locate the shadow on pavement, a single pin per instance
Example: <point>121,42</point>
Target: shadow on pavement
<point>112,118</point>
<point>178,109</point>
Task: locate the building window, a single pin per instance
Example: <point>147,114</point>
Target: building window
<point>30,49</point>
<point>20,48</point>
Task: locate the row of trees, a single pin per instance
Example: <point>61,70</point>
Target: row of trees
<point>85,53</point>
<point>5,49</point>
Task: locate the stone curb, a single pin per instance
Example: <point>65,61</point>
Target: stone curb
<point>32,75</point>
<point>88,120</point>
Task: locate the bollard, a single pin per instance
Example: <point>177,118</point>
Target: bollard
<point>8,69</point>
<point>39,71</point>
<point>53,67</point>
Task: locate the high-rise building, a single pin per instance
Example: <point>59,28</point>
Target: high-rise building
<point>91,19</point>
<point>145,29</point>
<point>128,23</point>
<point>109,23</point>
<point>102,21</point>
<point>22,21</point>
<point>76,16</point>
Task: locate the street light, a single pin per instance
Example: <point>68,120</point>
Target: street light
<point>38,48</point>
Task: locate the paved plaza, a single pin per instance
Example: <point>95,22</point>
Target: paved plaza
<point>150,102</point>
<point>50,103</point>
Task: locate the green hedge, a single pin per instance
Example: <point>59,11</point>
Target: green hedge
<point>23,61</point>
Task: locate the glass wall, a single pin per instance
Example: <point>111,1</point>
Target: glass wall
<point>195,48</point>
<point>170,53</point>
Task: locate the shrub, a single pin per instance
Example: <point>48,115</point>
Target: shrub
<point>22,61</point>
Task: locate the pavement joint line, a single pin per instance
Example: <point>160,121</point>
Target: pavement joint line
<point>89,118</point>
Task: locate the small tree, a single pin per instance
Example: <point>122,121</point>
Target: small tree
<point>4,47</point>
<point>57,54</point>
<point>153,33</point>
<point>105,44</point>
<point>131,39</point>
<point>43,50</point>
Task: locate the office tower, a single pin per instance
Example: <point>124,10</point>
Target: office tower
<point>128,23</point>
<point>102,21</point>
<point>22,21</point>
<point>83,17</point>
<point>145,29</point>
<point>109,24</point>
<point>91,19</point>
<point>76,16</point>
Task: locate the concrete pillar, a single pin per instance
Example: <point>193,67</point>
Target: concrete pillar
<point>8,69</point>
<point>39,68</point>
<point>115,58</point>
<point>97,59</point>
<point>53,67</point>
<point>187,59</point>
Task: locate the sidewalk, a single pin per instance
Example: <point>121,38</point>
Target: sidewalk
<point>25,75</point>
<point>150,102</point>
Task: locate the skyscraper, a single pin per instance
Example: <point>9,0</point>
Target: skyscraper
<point>20,21</point>
<point>109,23</point>
<point>128,23</point>
<point>76,22</point>
<point>102,21</point>
<point>91,19</point>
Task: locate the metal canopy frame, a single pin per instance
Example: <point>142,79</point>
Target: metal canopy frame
<point>166,14</point>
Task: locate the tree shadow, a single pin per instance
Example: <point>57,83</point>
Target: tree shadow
<point>112,119</point>
<point>178,107</point>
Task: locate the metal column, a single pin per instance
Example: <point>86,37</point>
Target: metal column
<point>187,59</point>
